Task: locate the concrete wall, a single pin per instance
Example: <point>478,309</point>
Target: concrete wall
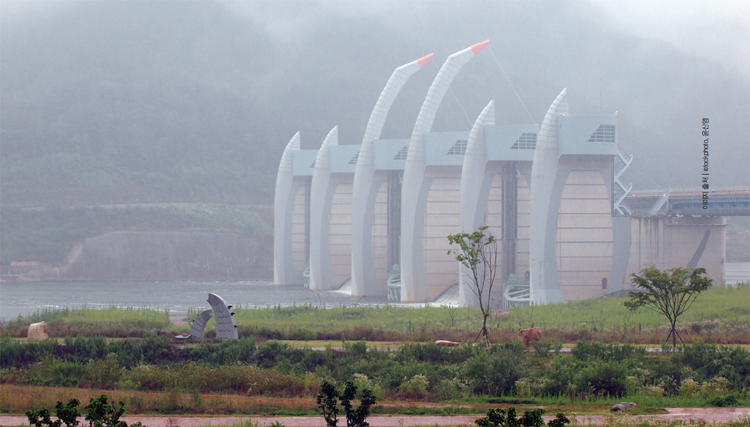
<point>299,227</point>
<point>524,206</point>
<point>441,218</point>
<point>494,220</point>
<point>340,234</point>
<point>584,235</point>
<point>668,242</point>
<point>380,235</point>
<point>493,216</point>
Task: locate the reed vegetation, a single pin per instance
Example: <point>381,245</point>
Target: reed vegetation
<point>720,315</point>
<point>594,373</point>
<point>112,321</point>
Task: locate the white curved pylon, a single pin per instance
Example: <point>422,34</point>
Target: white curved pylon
<point>414,287</point>
<point>545,283</point>
<point>321,195</point>
<point>283,209</point>
<point>226,326</point>
<point>474,183</point>
<point>365,190</point>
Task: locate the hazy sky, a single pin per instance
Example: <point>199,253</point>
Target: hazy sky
<point>656,89</point>
<point>716,29</point>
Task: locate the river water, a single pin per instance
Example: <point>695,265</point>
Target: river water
<point>177,296</point>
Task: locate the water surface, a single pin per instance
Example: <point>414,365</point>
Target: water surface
<point>175,296</point>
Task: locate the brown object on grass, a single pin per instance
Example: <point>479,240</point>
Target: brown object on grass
<point>37,332</point>
<point>529,335</point>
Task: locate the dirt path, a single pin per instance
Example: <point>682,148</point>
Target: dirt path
<point>708,415</point>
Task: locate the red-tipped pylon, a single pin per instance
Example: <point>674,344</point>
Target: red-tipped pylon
<point>479,46</point>
<point>423,60</point>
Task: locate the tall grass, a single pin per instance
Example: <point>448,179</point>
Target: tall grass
<point>112,321</point>
<point>17,399</point>
<point>720,315</point>
<point>719,305</point>
<point>398,319</point>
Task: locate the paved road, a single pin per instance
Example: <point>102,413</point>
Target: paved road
<point>708,415</point>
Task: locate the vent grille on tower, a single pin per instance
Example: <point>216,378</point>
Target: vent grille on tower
<point>527,141</point>
<point>459,148</point>
<point>354,159</point>
<point>402,154</point>
<point>605,133</point>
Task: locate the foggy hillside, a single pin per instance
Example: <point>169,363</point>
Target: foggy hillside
<point>194,101</point>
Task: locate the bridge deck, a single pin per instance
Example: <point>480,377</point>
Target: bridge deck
<point>719,202</point>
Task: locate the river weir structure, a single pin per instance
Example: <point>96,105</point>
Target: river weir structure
<point>376,216</point>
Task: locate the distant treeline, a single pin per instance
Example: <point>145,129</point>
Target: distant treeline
<point>46,235</point>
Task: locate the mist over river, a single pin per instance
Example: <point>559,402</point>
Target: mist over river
<point>177,296</point>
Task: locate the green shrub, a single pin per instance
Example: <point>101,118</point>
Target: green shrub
<point>51,371</point>
<point>85,348</point>
<point>560,374</point>
<point>270,353</point>
<point>15,354</point>
<point>496,370</point>
<point>709,361</point>
<point>602,377</point>
<point>433,353</point>
<point>103,373</point>
<point>225,352</point>
<point>450,389</point>
<point>722,401</point>
<point>418,384</point>
<point>542,348</point>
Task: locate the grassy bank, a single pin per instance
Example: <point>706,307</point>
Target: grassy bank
<point>109,322</point>
<point>135,359</point>
<point>720,315</point>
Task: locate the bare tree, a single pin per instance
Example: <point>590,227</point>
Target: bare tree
<point>478,253</point>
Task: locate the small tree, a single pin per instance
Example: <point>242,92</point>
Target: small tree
<point>670,292</point>
<point>328,403</point>
<point>66,414</point>
<point>531,418</point>
<point>355,417</point>
<point>100,413</point>
<point>478,253</point>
